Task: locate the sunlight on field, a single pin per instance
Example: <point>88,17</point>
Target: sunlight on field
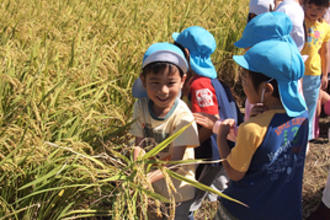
<point>67,68</point>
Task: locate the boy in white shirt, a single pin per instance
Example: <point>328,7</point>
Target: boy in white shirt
<point>161,114</point>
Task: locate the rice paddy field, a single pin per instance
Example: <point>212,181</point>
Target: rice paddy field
<point>67,68</point>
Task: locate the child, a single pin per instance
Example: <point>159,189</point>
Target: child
<point>206,94</point>
<point>296,13</point>
<point>269,25</point>
<point>161,114</point>
<point>257,7</point>
<point>318,32</point>
<point>267,162</point>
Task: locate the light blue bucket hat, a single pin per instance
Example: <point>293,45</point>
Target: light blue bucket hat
<point>201,44</point>
<point>269,25</point>
<point>283,62</point>
<point>160,52</point>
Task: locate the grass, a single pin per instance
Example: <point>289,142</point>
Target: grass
<point>67,68</point>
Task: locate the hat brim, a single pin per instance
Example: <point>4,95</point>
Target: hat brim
<point>240,60</point>
<point>175,36</point>
<point>138,89</point>
<point>167,56</point>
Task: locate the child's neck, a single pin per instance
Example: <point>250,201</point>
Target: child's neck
<point>313,21</point>
<point>161,112</point>
<point>273,104</point>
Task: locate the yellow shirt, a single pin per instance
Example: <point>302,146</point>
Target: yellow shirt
<point>317,34</point>
<point>250,136</point>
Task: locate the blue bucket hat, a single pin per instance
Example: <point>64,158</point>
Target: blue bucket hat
<point>201,44</point>
<point>269,25</point>
<point>160,52</point>
<point>283,62</point>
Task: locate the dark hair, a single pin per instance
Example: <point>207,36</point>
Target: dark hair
<point>258,78</point>
<point>183,50</point>
<point>250,16</point>
<point>320,3</point>
<point>157,67</point>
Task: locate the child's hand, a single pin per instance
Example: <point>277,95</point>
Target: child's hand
<point>257,109</point>
<point>205,120</point>
<point>324,82</point>
<point>227,126</point>
<point>138,152</point>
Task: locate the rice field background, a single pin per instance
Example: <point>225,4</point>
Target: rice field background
<point>67,68</point>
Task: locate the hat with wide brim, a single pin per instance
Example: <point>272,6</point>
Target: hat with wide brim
<point>283,62</point>
<point>201,44</point>
<point>160,52</point>
<point>270,25</point>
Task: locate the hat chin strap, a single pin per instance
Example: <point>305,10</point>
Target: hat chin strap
<point>263,91</point>
<point>262,95</point>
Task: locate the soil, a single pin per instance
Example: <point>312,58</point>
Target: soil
<point>317,167</point>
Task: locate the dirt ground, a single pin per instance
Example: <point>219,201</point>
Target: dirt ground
<point>317,166</point>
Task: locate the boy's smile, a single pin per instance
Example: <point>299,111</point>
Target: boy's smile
<point>163,88</point>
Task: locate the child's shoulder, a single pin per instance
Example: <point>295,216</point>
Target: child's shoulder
<point>324,24</point>
<point>200,80</point>
<point>141,102</point>
<point>182,113</point>
<point>182,108</point>
<point>261,120</point>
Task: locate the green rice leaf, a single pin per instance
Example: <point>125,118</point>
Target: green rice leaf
<point>154,151</point>
<point>202,186</point>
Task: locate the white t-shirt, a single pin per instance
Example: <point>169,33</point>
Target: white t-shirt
<point>260,6</point>
<point>157,130</point>
<point>296,13</point>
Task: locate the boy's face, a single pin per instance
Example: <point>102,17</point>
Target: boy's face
<point>314,12</point>
<point>163,88</point>
<point>249,90</point>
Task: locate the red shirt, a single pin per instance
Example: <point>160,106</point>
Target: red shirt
<point>202,96</point>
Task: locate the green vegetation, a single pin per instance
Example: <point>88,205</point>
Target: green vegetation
<point>67,67</point>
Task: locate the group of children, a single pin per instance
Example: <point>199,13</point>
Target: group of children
<point>264,155</point>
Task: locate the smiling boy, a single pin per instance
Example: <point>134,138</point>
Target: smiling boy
<point>161,114</point>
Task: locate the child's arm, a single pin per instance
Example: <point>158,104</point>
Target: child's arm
<point>224,149</point>
<point>324,53</point>
<point>157,174</point>
<point>207,122</point>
